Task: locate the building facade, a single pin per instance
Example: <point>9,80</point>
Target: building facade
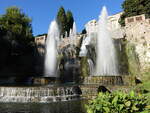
<point>113,25</point>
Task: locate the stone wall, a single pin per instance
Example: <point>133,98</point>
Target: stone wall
<point>113,25</point>
<point>67,41</point>
<point>108,80</point>
<point>92,85</point>
<point>137,31</point>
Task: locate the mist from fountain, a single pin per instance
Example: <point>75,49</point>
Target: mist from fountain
<point>51,50</point>
<point>73,34</point>
<point>106,63</point>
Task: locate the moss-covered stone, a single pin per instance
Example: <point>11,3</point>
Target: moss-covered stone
<point>84,67</point>
<point>133,61</point>
<point>128,58</point>
<point>122,57</point>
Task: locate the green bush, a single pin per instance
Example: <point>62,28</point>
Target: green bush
<point>118,102</point>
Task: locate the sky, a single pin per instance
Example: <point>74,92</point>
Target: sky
<point>42,12</point>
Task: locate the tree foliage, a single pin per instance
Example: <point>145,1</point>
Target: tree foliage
<point>65,21</point>
<point>16,26</point>
<point>16,43</point>
<point>84,31</point>
<point>70,20</point>
<point>62,20</point>
<point>133,8</point>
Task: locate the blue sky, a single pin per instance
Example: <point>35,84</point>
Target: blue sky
<point>43,12</point>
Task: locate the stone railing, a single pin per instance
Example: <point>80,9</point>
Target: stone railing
<point>135,19</point>
<point>103,80</point>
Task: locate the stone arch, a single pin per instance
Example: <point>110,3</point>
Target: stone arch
<point>103,89</point>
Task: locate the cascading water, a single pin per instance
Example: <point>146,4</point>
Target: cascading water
<point>91,66</point>
<point>38,94</point>
<point>86,41</point>
<point>51,50</point>
<point>106,63</point>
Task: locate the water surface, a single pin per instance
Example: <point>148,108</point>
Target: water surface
<point>75,106</point>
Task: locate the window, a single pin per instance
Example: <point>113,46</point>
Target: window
<point>130,20</point>
<point>139,18</point>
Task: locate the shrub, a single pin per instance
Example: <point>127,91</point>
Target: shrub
<point>118,102</point>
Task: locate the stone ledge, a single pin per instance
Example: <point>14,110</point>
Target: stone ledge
<point>108,80</point>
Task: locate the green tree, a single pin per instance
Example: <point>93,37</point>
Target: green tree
<point>65,21</point>
<point>17,26</point>
<point>62,21</point>
<point>70,20</point>
<point>16,41</point>
<point>133,8</point>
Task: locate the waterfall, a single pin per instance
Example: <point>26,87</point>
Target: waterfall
<point>38,94</point>
<point>86,41</point>
<point>51,50</point>
<point>106,63</point>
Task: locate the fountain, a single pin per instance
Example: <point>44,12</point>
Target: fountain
<point>91,66</point>
<point>85,42</point>
<point>74,85</point>
<point>39,94</point>
<point>72,34</point>
<point>74,30</point>
<point>51,50</point>
<point>106,63</point>
<point>70,63</point>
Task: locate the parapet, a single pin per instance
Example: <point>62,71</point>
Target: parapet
<point>135,19</point>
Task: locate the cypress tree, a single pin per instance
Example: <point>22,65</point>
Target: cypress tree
<point>70,20</point>
<point>62,20</point>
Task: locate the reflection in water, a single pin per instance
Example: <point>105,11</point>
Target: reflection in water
<point>59,107</point>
